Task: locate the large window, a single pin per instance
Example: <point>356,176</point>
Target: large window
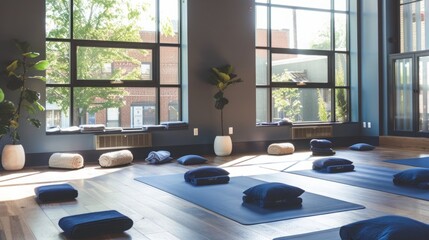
<point>302,61</point>
<point>109,56</point>
<point>413,27</point>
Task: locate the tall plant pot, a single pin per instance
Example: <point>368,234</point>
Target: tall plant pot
<point>13,157</point>
<point>222,145</point>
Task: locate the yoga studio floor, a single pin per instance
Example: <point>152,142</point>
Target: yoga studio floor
<point>160,215</point>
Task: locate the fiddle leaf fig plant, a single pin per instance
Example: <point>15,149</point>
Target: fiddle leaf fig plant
<point>223,77</point>
<point>19,72</point>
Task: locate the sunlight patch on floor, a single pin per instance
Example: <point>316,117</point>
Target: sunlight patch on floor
<point>21,184</point>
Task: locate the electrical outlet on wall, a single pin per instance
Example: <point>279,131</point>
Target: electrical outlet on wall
<point>369,124</point>
<point>364,124</point>
<point>195,131</point>
<point>230,131</point>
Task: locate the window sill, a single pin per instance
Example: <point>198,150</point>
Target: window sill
<point>167,126</point>
<point>275,124</point>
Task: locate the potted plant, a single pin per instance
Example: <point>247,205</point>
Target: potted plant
<point>19,72</point>
<point>223,77</point>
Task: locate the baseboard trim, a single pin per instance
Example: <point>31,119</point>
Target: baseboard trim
<point>417,143</point>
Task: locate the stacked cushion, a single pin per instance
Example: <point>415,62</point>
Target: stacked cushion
<point>207,176</point>
<point>273,195</point>
<point>95,223</point>
<point>385,228</point>
<point>321,147</point>
<point>414,177</point>
<point>56,192</point>
<point>66,161</point>
<point>117,158</point>
<point>333,165</point>
<point>361,147</point>
<point>159,157</point>
<point>281,148</point>
<point>191,159</point>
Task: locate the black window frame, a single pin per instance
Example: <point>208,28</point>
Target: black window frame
<point>155,64</point>
<point>330,54</point>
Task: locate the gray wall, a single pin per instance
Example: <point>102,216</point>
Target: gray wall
<point>219,32</point>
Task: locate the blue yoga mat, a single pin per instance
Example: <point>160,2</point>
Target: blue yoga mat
<point>376,178</point>
<point>415,162</point>
<point>330,234</point>
<point>226,199</point>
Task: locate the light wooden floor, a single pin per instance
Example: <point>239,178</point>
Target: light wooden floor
<point>159,215</point>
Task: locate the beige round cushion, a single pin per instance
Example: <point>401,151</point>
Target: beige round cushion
<point>281,148</point>
<point>117,158</point>
<point>66,160</point>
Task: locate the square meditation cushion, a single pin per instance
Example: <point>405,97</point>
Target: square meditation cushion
<point>95,223</point>
<point>273,194</point>
<point>205,172</point>
<point>330,161</point>
<point>416,177</point>
<point>191,159</point>
<point>340,168</point>
<point>207,176</point>
<point>385,228</point>
<point>56,192</point>
<point>361,147</point>
<point>320,143</point>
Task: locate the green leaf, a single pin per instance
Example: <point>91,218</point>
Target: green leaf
<point>220,103</point>
<point>228,69</point>
<point>41,65</point>
<point>31,54</point>
<point>220,75</point>
<point>7,111</point>
<point>35,122</point>
<point>39,106</point>
<point>29,108</point>
<point>31,96</point>
<point>3,130</point>
<point>1,95</point>
<point>12,67</point>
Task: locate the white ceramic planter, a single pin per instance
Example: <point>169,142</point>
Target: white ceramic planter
<point>222,145</point>
<point>13,157</point>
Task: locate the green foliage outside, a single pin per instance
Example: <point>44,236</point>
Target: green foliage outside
<point>287,100</point>
<point>341,104</point>
<point>323,113</point>
<point>107,20</point>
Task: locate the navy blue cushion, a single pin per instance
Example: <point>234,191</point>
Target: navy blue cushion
<point>340,168</point>
<point>191,159</point>
<point>56,192</point>
<point>320,143</point>
<point>282,203</point>
<point>385,228</point>
<point>322,151</point>
<point>412,177</point>
<point>206,176</point>
<point>330,161</point>
<point>209,180</point>
<point>95,223</point>
<point>271,192</point>
<point>361,147</point>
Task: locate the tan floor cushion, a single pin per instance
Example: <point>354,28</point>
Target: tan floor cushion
<point>281,148</point>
